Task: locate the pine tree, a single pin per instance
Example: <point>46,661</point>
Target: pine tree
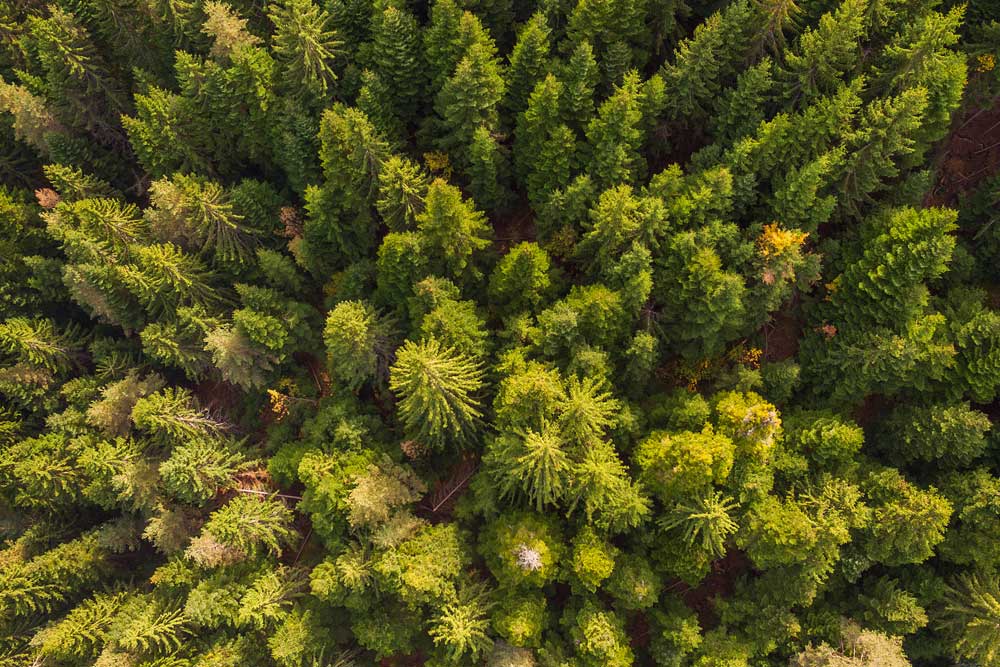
<point>799,200</point>
<point>245,527</point>
<point>741,109</point>
<point>487,170</point>
<point>704,301</point>
<point>227,29</point>
<point>402,262</point>
<point>173,413</point>
<point>600,637</point>
<point>305,45</point>
<point>533,464</point>
<point>684,464</point>
<point>949,434</point>
<point>579,76</point>
<point>112,413</point>
<point>907,521</point>
<point>609,497</point>
<point>78,82</point>
<point>778,16</point>
<point>182,343</point>
<point>461,628</point>
<point>543,147</point>
<point>198,215</point>
<point>706,519</point>
<point>442,46</point>
<point>270,597</point>
<point>437,394</point>
<point>32,120</point>
<point>39,343</point>
<point>885,136</point>
<point>619,220</point>
<point>163,278</point>
<point>339,224</point>
<point>83,631</point>
<point>522,279</point>
<point>888,287</point>
<point>198,469</point>
<point>375,101</point>
<point>589,411</point>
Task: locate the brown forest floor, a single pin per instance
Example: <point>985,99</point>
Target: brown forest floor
<point>969,155</point>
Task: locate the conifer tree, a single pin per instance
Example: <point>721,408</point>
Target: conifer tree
<point>615,138</point>
<point>39,343</point>
<point>886,134</point>
<point>305,45</point>
<point>398,59</point>
<point>357,343</point>
<point>533,464</point>
<point>579,76</point>
<point>704,300</point>
<point>740,109</point>
<point>437,394</point>
<point>527,64</point>
<point>693,78</point>
<point>402,189</point>
<point>245,527</point>
<point>889,288</point>
<point>824,55</point>
<point>77,79</point>
<point>522,279</point>
<point>460,628</point>
<point>543,147</point>
<point>228,30</point>
<point>173,413</point>
<point>468,101</point>
<point>452,231</point>
<point>487,170</point>
<point>442,43</point>
<point>970,614</point>
<point>164,278</point>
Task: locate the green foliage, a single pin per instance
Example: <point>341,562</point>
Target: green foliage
<point>969,612</point>
<point>357,344</point>
<point>600,637</point>
<point>523,550</point>
<point>933,432</point>
<point>437,393</point>
<point>674,465</point>
<point>305,45</point>
<point>409,314</point>
<point>245,527</point>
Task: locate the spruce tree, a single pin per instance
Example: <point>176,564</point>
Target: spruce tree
<point>358,344</point>
<point>437,391</point>
<point>305,44</point>
<point>527,64</point>
<point>614,137</point>
<point>398,60</point>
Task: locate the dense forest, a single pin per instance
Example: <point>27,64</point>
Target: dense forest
<point>507,333</point>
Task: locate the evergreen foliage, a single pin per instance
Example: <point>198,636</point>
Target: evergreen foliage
<point>573,333</point>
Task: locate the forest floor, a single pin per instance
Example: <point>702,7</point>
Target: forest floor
<point>969,155</point>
